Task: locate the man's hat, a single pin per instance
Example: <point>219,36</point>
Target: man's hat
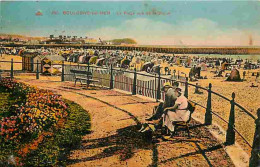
<point>167,84</point>
<point>178,90</point>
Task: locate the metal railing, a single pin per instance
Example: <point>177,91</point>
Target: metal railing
<point>114,78</point>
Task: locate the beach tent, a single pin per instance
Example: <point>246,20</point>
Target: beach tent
<point>20,52</point>
<point>93,60</point>
<point>138,60</point>
<point>234,76</point>
<point>203,66</point>
<point>146,66</point>
<point>160,61</point>
<point>189,61</point>
<point>88,57</point>
<point>156,69</point>
<point>52,64</point>
<point>125,63</point>
<point>27,60</point>
<point>81,59</point>
<point>100,61</point>
<point>38,59</point>
<point>178,61</point>
<point>133,63</point>
<point>91,51</point>
<point>225,65</point>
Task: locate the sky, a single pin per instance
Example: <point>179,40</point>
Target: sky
<point>212,23</point>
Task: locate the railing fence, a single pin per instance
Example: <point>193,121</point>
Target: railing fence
<point>150,86</point>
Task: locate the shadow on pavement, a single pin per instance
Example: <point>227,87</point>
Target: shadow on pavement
<point>124,143</point>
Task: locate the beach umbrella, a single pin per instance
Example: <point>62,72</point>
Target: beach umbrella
<point>125,63</point>
<point>93,60</point>
<point>20,52</point>
<point>90,51</point>
<point>100,61</point>
<point>156,69</point>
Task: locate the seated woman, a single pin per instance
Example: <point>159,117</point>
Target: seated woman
<point>179,112</point>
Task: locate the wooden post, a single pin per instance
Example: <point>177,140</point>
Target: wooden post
<point>23,63</point>
<point>111,78</point>
<point>208,115</point>
<point>197,89</point>
<point>62,72</point>
<point>255,153</point>
<point>37,70</point>
<point>12,68</point>
<point>186,94</point>
<point>32,64</point>
<point>159,86</point>
<point>230,136</point>
<point>134,83</point>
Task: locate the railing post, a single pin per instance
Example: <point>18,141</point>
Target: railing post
<point>230,136</point>
<point>255,153</point>
<point>208,115</point>
<point>62,72</point>
<point>12,68</point>
<point>159,87</point>
<point>88,66</point>
<point>134,83</point>
<point>186,94</point>
<point>37,70</point>
<point>155,96</point>
<point>111,78</point>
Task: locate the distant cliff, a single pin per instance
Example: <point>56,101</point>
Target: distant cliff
<point>123,41</point>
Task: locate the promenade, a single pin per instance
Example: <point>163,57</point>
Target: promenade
<point>114,141</point>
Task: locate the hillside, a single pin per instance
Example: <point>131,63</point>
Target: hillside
<point>23,37</point>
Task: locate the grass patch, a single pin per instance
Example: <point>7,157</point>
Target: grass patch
<point>6,100</point>
<point>54,150</point>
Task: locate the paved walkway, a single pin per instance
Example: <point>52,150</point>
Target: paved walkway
<point>114,140</point>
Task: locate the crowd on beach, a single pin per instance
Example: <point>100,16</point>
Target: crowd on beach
<point>150,62</point>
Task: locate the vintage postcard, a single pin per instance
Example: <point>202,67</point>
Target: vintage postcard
<point>130,83</point>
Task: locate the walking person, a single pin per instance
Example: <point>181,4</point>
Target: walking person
<point>257,76</point>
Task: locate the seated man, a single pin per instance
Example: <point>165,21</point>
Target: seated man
<point>178,112</point>
<point>169,102</point>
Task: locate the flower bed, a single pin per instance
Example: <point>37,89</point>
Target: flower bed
<point>55,150</point>
<point>37,112</point>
